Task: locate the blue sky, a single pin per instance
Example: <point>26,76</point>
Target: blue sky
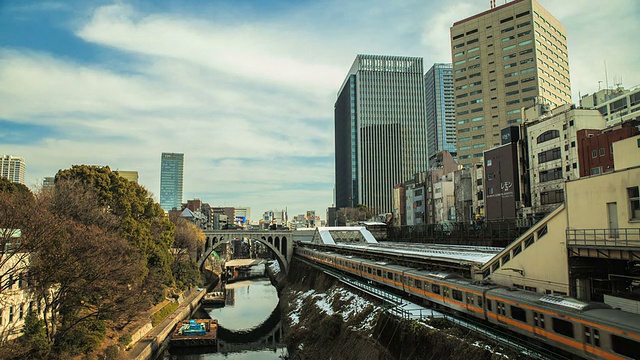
<point>244,88</point>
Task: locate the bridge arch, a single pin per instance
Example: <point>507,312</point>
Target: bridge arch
<point>279,244</point>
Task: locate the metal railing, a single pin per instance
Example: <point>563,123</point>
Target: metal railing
<point>620,237</point>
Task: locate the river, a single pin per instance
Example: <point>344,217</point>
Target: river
<point>249,324</point>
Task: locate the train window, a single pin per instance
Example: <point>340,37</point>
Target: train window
<point>563,327</point>
<point>625,346</point>
<point>518,313</point>
<point>390,276</point>
<point>435,288</point>
<point>419,284</point>
<point>369,270</point>
<point>596,337</point>
<point>489,305</point>
<point>379,272</point>
<point>456,294</point>
<point>479,301</point>
<point>469,299</point>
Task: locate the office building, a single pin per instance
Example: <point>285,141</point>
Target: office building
<point>440,110</point>
<point>129,175</point>
<point>553,148</point>
<point>12,168</point>
<point>171,174</point>
<point>504,59</point>
<point>618,105</point>
<point>380,130</point>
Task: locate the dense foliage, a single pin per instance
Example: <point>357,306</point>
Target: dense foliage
<point>142,220</point>
<point>97,249</point>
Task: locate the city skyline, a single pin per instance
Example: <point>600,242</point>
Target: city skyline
<point>246,92</point>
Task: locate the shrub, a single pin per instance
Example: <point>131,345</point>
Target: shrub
<point>163,313</point>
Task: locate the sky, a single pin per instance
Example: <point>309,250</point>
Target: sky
<point>245,89</point>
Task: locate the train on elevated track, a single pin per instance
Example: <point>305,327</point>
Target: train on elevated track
<point>585,330</point>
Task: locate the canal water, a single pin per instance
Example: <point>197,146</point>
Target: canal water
<point>249,324</point>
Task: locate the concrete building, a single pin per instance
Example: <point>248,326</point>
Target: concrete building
<point>594,233</point>
<point>380,130</point>
<point>440,110</point>
<point>595,148</point>
<point>48,182</point>
<point>16,299</point>
<point>552,146</point>
<point>171,176</point>
<point>444,204</point>
<point>503,59</point>
<point>463,191</point>
<point>502,185</point>
<point>477,179</point>
<point>129,175</point>
<point>616,105</point>
<point>399,206</point>
<point>242,215</point>
<point>13,168</point>
<point>416,200</point>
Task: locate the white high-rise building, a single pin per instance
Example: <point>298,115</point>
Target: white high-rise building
<point>380,130</point>
<point>12,168</point>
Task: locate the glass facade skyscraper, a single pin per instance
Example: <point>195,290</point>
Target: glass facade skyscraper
<point>440,110</point>
<point>380,130</point>
<point>171,173</point>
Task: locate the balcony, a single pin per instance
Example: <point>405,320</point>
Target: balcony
<point>621,237</point>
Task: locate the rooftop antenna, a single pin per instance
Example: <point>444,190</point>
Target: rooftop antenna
<point>606,80</point>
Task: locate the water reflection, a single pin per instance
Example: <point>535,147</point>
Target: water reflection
<point>249,325</point>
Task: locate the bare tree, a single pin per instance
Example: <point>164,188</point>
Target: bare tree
<point>188,238</point>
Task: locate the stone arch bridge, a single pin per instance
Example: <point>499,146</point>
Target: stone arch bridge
<point>280,242</point>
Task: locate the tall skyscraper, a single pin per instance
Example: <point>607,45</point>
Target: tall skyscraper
<point>380,130</point>
<point>440,111</point>
<point>504,59</point>
<point>171,174</point>
<point>12,168</point>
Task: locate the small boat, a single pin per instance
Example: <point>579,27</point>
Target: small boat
<point>195,332</point>
<point>214,298</point>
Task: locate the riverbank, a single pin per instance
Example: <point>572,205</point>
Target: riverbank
<point>155,340</point>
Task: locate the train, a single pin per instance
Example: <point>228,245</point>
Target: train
<point>583,329</point>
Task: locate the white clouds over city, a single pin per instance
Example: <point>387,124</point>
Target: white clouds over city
<point>245,92</point>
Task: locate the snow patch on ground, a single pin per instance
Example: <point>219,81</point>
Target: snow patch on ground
<point>274,266</point>
<point>350,306</point>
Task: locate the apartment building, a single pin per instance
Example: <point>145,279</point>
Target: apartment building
<point>505,58</point>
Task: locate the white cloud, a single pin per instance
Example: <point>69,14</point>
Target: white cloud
<point>248,97</point>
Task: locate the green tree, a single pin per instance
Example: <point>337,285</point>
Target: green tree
<point>87,271</point>
<point>34,340</point>
<point>142,220</point>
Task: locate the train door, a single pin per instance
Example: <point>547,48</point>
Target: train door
<point>591,337</point>
<point>538,324</point>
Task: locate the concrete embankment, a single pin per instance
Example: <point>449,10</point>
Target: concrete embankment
<point>149,346</point>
